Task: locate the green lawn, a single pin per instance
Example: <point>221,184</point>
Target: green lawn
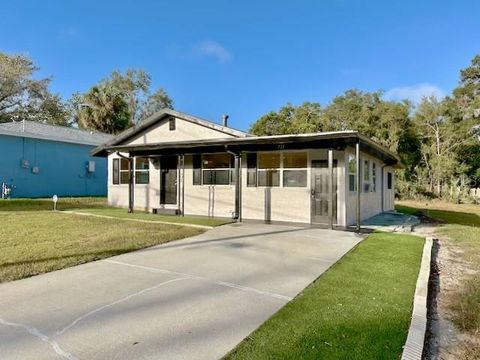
<point>35,240</point>
<point>140,215</point>
<point>460,227</point>
<point>359,309</point>
<point>98,206</point>
<point>47,204</point>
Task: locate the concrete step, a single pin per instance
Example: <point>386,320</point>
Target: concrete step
<point>160,211</point>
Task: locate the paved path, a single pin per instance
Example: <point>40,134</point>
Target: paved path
<point>190,299</point>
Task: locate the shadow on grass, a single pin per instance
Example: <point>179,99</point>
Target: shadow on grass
<point>444,216</point>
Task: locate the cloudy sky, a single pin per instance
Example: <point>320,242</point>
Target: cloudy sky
<point>245,58</point>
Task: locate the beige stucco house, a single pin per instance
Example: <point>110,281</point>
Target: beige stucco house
<point>179,164</point>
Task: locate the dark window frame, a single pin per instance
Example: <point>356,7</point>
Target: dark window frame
<point>389,180</point>
<point>116,172</point>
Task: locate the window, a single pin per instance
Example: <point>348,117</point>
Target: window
<point>352,183</point>
<point>252,169</point>
<point>366,176</point>
<point>171,124</point>
<point>297,177</point>
<point>216,169</point>
<point>142,170</point>
<point>268,169</point>
<point>389,180</point>
<point>374,177</point>
<point>197,170</point>
<point>115,172</point>
<point>124,171</point>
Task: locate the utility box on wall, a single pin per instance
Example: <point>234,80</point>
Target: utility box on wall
<point>91,166</point>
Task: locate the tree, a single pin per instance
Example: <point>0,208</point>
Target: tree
<point>118,102</point>
<point>155,102</point>
<point>103,108</point>
<point>290,119</point>
<point>24,98</point>
<point>467,94</point>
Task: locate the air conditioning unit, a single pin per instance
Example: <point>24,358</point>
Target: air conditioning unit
<point>35,170</point>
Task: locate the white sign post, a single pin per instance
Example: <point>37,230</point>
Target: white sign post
<point>55,200</point>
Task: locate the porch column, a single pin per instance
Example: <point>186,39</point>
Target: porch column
<point>358,183</point>
<point>182,162</point>
<point>330,188</point>
<point>131,184</point>
<point>238,187</point>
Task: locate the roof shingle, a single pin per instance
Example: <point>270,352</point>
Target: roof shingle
<point>38,130</point>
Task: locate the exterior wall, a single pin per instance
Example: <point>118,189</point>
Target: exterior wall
<point>207,200</point>
<point>184,130</point>
<point>286,204</point>
<point>389,199</point>
<point>291,204</point>
<point>146,196</point>
<point>371,201</point>
<point>62,168</point>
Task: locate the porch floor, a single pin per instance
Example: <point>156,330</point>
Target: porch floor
<point>391,221</point>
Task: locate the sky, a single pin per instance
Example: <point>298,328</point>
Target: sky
<point>246,58</point>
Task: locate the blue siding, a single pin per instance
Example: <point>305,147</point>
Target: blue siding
<point>62,168</point>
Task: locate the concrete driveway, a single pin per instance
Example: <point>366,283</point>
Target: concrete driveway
<point>190,299</point>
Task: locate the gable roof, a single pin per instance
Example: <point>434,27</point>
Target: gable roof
<point>164,113</point>
<point>38,130</point>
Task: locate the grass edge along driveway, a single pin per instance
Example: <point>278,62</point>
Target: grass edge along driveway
<point>36,242</point>
<point>359,309</point>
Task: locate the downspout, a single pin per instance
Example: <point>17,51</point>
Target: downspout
<point>238,184</point>
<point>130,181</point>
<point>359,183</point>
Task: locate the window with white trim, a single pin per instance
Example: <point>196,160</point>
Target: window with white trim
<point>294,169</point>
<point>216,169</point>
<point>366,176</point>
<point>352,164</point>
<point>268,173</point>
<point>142,170</point>
<point>124,171</point>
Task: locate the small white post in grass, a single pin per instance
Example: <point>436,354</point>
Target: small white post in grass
<point>55,200</point>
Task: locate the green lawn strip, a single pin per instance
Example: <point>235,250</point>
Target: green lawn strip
<point>359,309</point>
<point>37,242</point>
<point>446,216</point>
<point>47,204</point>
<point>462,230</point>
<point>140,215</point>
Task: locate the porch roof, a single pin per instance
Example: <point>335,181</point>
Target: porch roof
<point>336,140</point>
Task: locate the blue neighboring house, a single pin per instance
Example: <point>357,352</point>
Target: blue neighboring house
<point>41,160</point>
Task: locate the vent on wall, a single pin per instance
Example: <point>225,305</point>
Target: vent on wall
<point>35,170</point>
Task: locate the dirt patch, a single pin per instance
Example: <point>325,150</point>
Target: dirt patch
<point>444,340</point>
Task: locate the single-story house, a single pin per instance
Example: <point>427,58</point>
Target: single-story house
<point>177,163</point>
<point>41,160</point>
